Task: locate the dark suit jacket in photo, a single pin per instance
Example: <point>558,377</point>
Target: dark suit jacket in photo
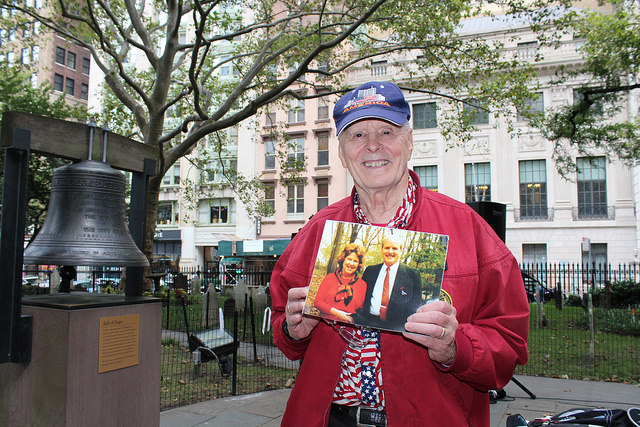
<point>404,300</point>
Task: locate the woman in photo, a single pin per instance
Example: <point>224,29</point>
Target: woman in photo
<point>342,292</point>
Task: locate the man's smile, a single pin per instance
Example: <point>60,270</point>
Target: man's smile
<point>375,163</point>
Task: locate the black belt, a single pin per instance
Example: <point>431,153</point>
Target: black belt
<point>363,416</point>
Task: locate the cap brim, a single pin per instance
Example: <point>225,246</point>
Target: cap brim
<point>396,117</point>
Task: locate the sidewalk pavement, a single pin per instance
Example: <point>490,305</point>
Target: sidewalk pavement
<point>552,396</point>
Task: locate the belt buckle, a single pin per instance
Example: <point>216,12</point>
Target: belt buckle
<point>359,424</point>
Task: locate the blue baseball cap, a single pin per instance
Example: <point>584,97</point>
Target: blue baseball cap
<point>373,100</point>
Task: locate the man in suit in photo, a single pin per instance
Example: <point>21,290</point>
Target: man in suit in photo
<point>394,290</point>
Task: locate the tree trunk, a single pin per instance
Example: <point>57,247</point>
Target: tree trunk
<point>151,214</point>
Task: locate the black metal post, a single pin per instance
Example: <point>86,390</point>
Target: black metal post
<point>15,329</point>
<point>253,330</point>
<point>137,223</point>
<point>234,375</point>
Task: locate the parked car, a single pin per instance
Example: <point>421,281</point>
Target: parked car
<point>531,284</point>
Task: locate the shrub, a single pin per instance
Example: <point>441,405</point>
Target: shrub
<point>617,321</point>
<point>623,294</point>
<point>573,301</point>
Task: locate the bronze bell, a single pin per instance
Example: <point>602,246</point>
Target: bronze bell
<point>86,221</point>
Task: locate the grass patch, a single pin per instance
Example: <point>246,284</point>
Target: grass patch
<point>562,348</point>
<point>181,384</point>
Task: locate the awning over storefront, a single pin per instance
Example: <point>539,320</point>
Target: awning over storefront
<point>252,247</point>
<point>167,234</point>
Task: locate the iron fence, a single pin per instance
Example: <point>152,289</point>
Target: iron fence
<point>564,340</point>
<point>256,365</point>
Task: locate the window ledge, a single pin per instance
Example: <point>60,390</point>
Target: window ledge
<point>294,221</point>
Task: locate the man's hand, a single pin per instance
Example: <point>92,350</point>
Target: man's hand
<point>434,326</point>
<point>298,325</point>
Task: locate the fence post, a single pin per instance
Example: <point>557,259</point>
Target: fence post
<point>591,329</point>
<point>234,375</point>
<point>253,330</point>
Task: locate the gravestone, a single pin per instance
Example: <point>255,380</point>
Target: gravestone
<point>196,286</point>
<point>211,308</point>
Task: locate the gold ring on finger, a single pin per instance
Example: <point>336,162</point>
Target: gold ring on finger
<point>443,332</point>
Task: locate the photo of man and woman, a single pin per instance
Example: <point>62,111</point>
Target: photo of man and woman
<point>375,276</point>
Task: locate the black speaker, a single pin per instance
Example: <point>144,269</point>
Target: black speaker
<point>495,214</point>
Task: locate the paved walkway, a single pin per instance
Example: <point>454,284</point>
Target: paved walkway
<point>552,396</point>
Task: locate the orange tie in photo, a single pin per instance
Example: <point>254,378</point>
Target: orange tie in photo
<point>384,302</point>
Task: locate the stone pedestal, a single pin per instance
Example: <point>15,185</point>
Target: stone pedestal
<point>64,384</point>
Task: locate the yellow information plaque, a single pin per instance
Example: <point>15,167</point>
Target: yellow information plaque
<point>119,344</point>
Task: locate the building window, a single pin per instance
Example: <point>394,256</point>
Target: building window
<point>477,178</point>
<point>533,106</point>
<point>84,91</point>
<point>379,68</point>
<point>534,253</point>
<point>527,50</point>
<point>592,187</point>
<point>216,170</point>
<point>474,112</point>
<point>24,56</point>
<point>424,115</point>
<point>216,211</point>
<point>323,193</point>
<point>58,82</point>
<point>533,189</point>
<point>11,57</point>
<point>270,154</point>
<point>233,137</point>
<point>35,54</point>
<point>225,65</point>
<point>270,197</point>
<point>168,213</point>
<point>172,177</point>
<point>428,176</point>
<point>71,60</point>
<point>296,113</point>
<point>597,255</point>
<point>323,109</point>
<point>295,155</point>
<point>295,200</point>
<point>69,86</point>
<point>598,105</point>
<point>60,55</point>
<point>323,149</point>
<point>86,66</point>
<point>270,119</point>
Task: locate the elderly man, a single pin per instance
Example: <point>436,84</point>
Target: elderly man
<point>387,306</point>
<point>453,350</point>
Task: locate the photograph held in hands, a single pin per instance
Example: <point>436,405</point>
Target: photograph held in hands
<point>375,277</point>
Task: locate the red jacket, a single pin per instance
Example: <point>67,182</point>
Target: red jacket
<point>484,284</point>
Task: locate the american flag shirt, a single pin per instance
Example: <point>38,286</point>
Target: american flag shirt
<point>360,381</point>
